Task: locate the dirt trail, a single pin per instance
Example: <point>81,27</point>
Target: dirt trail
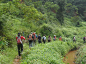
<point>70,57</point>
<point>17,60</point>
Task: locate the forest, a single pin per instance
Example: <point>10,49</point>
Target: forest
<point>65,18</point>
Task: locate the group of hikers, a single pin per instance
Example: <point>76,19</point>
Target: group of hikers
<point>32,38</point>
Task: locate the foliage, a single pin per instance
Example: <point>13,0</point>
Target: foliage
<point>81,6</point>
<point>47,53</point>
<point>13,15</point>
<point>81,55</point>
<point>3,43</point>
<point>59,14</point>
<point>7,56</point>
<point>46,30</point>
<point>76,20</point>
<point>45,17</point>
<point>71,10</point>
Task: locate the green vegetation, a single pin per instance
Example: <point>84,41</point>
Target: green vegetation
<point>49,53</point>
<point>64,18</point>
<point>81,55</point>
<point>7,55</point>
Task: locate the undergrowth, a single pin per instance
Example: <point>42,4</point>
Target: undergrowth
<point>81,55</point>
<point>49,53</point>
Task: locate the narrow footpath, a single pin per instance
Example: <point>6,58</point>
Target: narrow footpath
<point>16,60</point>
<point>70,57</point>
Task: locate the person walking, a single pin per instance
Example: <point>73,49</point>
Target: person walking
<point>39,39</point>
<point>84,39</point>
<point>44,39</point>
<point>60,38</point>
<point>54,38</point>
<point>30,39</point>
<point>49,38</point>
<point>19,43</point>
<point>74,39</point>
<point>34,38</point>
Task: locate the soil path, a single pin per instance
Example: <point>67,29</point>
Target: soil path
<point>70,57</point>
<point>17,60</point>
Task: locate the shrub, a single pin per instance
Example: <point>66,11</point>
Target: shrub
<point>46,30</point>
<point>49,53</point>
<point>81,55</point>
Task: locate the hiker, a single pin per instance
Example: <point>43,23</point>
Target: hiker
<point>44,39</point>
<point>60,39</point>
<point>49,38</point>
<point>19,43</point>
<point>34,38</point>
<point>84,39</point>
<point>36,34</point>
<point>30,39</point>
<point>54,38</point>
<point>74,39</point>
<point>39,39</point>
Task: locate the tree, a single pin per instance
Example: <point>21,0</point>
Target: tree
<point>71,10</point>
<point>60,12</point>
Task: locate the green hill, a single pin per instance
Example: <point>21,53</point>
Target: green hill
<point>61,18</point>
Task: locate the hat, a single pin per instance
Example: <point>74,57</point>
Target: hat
<point>18,33</point>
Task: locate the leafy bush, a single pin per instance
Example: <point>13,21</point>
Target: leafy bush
<point>3,43</point>
<point>7,56</point>
<point>81,55</point>
<point>46,30</point>
<point>57,32</point>
<point>49,53</point>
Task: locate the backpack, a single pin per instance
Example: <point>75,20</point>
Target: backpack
<point>34,36</point>
<point>49,38</point>
<point>30,37</point>
<point>84,38</point>
<point>74,38</point>
<point>43,38</point>
<point>19,40</point>
<point>55,37</point>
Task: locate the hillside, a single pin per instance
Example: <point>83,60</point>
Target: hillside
<point>47,17</point>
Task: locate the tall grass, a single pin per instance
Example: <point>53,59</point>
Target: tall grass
<point>81,55</point>
<point>7,56</point>
<point>49,53</point>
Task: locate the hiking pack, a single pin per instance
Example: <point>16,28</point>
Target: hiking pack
<point>44,38</point>
<point>30,37</point>
<point>54,38</point>
<point>84,38</point>
<point>34,36</point>
<point>19,40</point>
<point>74,38</point>
<point>49,38</point>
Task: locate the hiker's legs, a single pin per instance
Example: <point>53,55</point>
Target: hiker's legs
<point>74,41</point>
<point>39,41</point>
<point>35,42</point>
<point>30,44</point>
<point>48,40</point>
<point>22,47</point>
<point>44,42</point>
<point>19,49</point>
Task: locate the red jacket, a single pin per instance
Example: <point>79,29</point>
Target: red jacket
<point>60,39</point>
<point>21,38</point>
